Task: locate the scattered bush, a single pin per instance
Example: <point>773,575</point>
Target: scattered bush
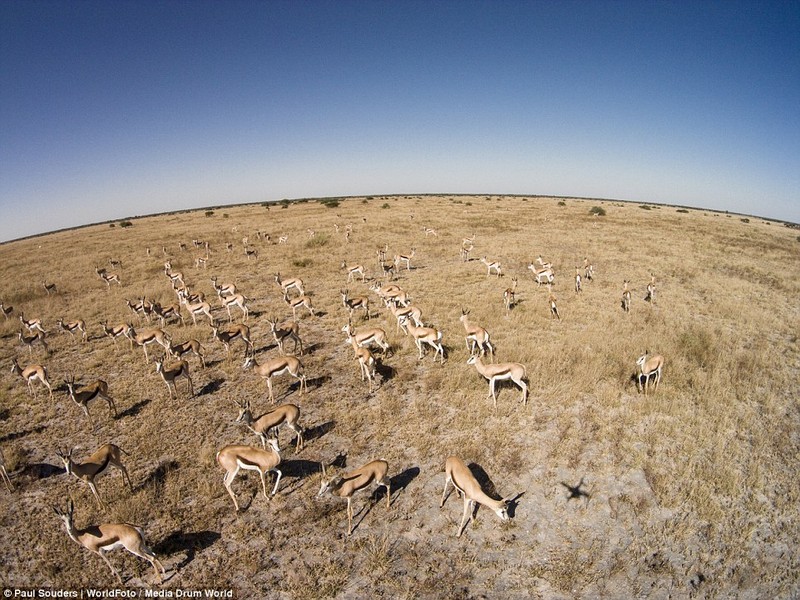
<point>125,224</point>
<point>112,224</point>
<point>682,210</point>
<point>468,204</point>
<point>303,262</point>
<point>225,216</point>
<point>644,207</point>
<point>385,205</point>
<point>597,210</point>
<point>319,240</point>
<point>209,213</point>
<point>329,202</point>
<point>562,203</point>
<point>745,220</point>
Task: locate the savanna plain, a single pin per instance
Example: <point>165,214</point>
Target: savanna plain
<point>688,492</point>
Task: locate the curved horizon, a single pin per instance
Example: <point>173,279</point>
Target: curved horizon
<point>140,108</point>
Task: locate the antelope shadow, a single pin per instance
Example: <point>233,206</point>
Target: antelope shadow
<point>133,410</point>
<point>188,542</point>
<point>212,386</point>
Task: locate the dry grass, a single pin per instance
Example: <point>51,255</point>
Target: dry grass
<point>692,491</point>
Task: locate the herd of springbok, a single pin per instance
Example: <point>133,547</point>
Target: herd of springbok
<point>370,346</point>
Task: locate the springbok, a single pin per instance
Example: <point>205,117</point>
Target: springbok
<point>501,372</point>
<point>277,366</point>
<point>467,486</point>
<point>110,536</point>
<point>649,365</point>
<point>234,458</point>
<point>344,486</point>
<point>285,414</point>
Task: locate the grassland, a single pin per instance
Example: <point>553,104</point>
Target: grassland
<point>689,492</point>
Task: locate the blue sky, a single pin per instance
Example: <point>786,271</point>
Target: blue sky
<point>115,109</point>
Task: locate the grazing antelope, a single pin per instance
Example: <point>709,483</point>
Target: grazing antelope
<point>87,393</point>
<point>543,264</point>
<point>110,536</point>
<point>366,362</point>
<point>551,301</point>
<point>96,465</point>
<point>404,258</point>
<point>201,261</point>
<point>197,308</point>
<point>288,330</point>
<point>32,324</point>
<point>137,308</point>
<point>6,310</point>
<point>492,266</point>
<point>4,473</point>
<point>465,250</point>
<point>235,458</point>
<point>387,270</point>
<point>107,277</point>
<point>430,231</point>
<point>231,334</point>
<point>501,372</point>
<point>651,290</point>
<point>178,350</point>
<point>344,486</point>
<point>173,311</point>
<point>171,373</point>
<point>355,270</point>
<point>148,336</point>
<point>116,331</point>
<point>391,293</point>
<point>72,326</point>
<point>277,366</point>
<point>588,270</point>
<point>426,335</point>
<point>578,287</point>
<point>477,337</point>
<point>30,340</point>
<point>297,302</point>
<point>283,239</point>
<point>467,486</point>
<point>285,414</point>
<point>509,294</point>
<point>225,289</point>
<point>31,373</point>
<point>626,296</point>
<point>185,296</point>
<point>288,284</point>
<point>405,312</point>
<point>251,253</point>
<point>114,263</point>
<point>49,287</point>
<point>236,300</point>
<point>649,365</point>
<point>545,276</point>
<point>381,252</point>
<point>365,337</point>
<point>354,304</point>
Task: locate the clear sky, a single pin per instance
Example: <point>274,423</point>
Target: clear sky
<point>115,109</point>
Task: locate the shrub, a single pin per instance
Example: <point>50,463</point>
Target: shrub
<point>209,213</point>
<point>562,203</point>
<point>112,224</point>
<point>644,207</point>
<point>597,210</point>
<point>468,204</point>
<point>745,220</point>
<point>385,205</point>
<point>303,262</point>
<point>319,240</point>
<point>682,210</point>
<point>329,202</point>
<point>125,224</point>
<point>225,216</point>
